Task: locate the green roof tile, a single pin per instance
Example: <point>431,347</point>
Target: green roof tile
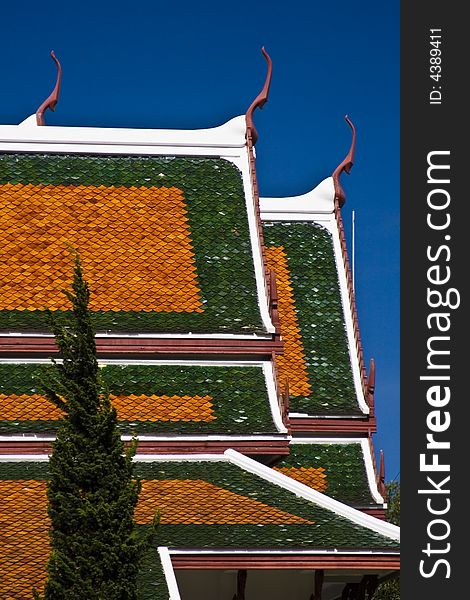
<point>204,505</point>
<point>343,471</point>
<point>322,529</point>
<point>189,399</point>
<point>314,279</point>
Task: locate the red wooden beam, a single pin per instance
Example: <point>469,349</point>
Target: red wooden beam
<point>341,426</point>
<point>251,447</point>
<point>286,561</point>
<point>25,345</point>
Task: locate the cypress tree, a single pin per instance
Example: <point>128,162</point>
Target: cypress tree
<point>92,492</point>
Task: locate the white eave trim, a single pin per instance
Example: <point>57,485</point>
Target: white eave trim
<point>299,489</point>
<point>228,135</point>
<point>313,204</point>
<point>334,551</point>
<point>169,573</point>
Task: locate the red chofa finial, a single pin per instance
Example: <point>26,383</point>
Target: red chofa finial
<point>50,102</point>
<point>381,481</point>
<point>371,385</point>
<point>260,99</point>
<point>346,165</point>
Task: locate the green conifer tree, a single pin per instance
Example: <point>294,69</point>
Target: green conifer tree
<point>92,492</point>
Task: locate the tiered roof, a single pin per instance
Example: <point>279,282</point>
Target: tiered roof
<point>224,322</point>
<point>207,503</point>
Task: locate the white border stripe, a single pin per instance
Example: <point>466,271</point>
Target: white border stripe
<point>169,573</point>
<point>299,489</point>
<point>336,552</point>
<point>228,135</point>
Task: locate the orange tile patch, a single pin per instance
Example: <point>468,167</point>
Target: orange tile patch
<point>164,408</point>
<point>129,408</point>
<point>291,364</point>
<point>134,245</point>
<point>24,540</point>
<point>197,502</point>
<point>314,478</point>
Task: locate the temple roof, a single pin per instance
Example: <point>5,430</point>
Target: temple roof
<point>165,242</point>
<point>317,360</point>
<point>226,501</point>
<point>341,468</point>
<point>158,399</point>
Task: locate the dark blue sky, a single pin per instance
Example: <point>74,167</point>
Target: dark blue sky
<point>191,64</point>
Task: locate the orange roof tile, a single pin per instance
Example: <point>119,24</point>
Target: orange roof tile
<point>197,502</point>
<point>132,407</point>
<point>24,539</point>
<point>292,363</point>
<point>134,244</point>
<point>311,476</point>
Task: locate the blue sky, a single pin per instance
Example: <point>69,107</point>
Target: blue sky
<point>197,64</point>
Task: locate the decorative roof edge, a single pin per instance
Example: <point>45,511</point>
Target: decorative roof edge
<point>318,201</point>
<point>346,166</point>
<point>230,134</point>
<point>286,482</point>
<point>169,573</point>
<point>260,99</point>
<point>51,101</point>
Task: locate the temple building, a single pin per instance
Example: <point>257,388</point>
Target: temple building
<point>228,336</point>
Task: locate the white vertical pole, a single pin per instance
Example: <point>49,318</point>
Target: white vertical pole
<point>353,216</point>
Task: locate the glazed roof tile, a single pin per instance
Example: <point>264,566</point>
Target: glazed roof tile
<point>336,469</point>
<point>164,242</point>
<point>316,359</point>
<point>150,399</point>
<point>204,505</point>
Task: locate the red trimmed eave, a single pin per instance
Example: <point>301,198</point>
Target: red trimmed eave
<point>14,346</point>
<point>248,447</point>
<point>341,426</point>
<point>379,562</point>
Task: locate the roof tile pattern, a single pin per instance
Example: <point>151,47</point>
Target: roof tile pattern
<point>129,408</point>
<point>314,478</point>
<point>180,223</point>
<point>292,363</point>
<point>342,466</point>
<point>205,505</point>
<point>198,502</point>
<point>24,536</point>
<point>134,246</point>
<point>310,275</point>
<point>149,399</point>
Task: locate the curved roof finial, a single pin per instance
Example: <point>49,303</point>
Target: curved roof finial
<point>51,101</point>
<point>260,99</point>
<point>345,165</point>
